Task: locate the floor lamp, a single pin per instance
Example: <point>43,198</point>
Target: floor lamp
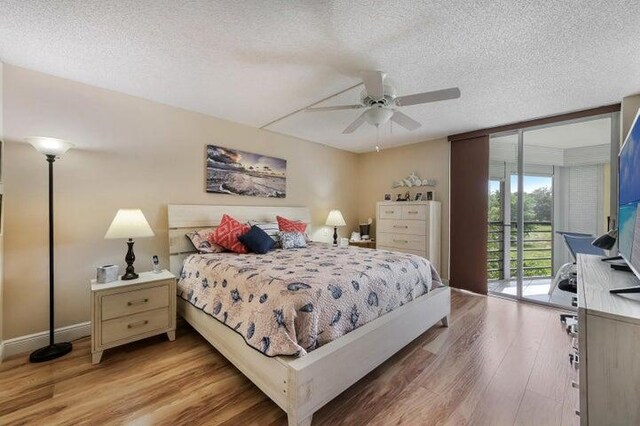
<point>52,149</point>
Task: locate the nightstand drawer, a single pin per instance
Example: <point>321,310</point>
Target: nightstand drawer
<point>132,302</point>
<point>133,325</point>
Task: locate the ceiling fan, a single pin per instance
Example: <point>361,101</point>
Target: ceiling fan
<point>381,103</point>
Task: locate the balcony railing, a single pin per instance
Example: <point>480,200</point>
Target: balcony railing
<point>538,250</point>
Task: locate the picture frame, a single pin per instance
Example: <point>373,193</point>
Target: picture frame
<point>155,264</point>
<point>387,197</point>
<point>418,196</point>
<point>430,196</point>
<point>232,171</point>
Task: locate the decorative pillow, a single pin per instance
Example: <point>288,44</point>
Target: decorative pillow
<point>291,240</point>
<point>227,233</point>
<point>257,241</point>
<point>270,228</point>
<point>288,225</point>
<point>201,241</point>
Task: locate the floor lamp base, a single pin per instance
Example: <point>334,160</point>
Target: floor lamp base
<point>50,352</point>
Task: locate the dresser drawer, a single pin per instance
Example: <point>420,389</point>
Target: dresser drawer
<point>414,212</point>
<point>389,212</point>
<point>132,302</point>
<point>133,325</point>
<point>416,252</point>
<point>410,242</point>
<point>400,226</point>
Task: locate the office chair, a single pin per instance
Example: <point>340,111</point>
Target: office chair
<point>577,243</point>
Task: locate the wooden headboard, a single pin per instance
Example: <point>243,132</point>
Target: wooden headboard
<point>184,218</point>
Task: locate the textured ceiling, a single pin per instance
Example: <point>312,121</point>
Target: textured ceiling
<point>255,61</point>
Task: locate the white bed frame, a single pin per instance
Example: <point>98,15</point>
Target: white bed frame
<point>300,386</point>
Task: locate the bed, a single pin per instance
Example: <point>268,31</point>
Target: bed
<point>293,371</point>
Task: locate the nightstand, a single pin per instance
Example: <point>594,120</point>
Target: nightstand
<point>364,243</point>
<point>126,311</point>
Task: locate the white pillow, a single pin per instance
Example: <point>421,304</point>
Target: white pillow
<point>270,228</point>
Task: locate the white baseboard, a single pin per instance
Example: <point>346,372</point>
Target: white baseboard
<point>31,342</point>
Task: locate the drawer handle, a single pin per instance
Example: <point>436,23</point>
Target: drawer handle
<point>412,212</point>
<point>400,241</point>
<point>138,324</point>
<point>399,226</point>
<point>389,211</point>
<point>137,302</point>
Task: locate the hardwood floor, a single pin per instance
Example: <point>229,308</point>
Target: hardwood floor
<point>498,363</point>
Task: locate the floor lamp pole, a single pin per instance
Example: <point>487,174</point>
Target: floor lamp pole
<point>53,350</point>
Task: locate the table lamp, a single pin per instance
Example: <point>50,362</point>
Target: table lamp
<point>129,223</point>
<point>335,219</point>
<point>53,149</point>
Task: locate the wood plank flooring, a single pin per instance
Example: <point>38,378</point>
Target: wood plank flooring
<point>499,363</point>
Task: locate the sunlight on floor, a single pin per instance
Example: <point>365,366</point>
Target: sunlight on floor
<point>534,289</point>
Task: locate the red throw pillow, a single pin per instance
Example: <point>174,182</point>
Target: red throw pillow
<point>227,233</point>
<point>287,225</point>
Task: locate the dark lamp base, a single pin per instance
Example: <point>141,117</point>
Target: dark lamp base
<point>129,276</point>
<point>129,273</point>
<point>50,352</point>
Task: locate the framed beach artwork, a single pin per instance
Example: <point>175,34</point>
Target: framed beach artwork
<point>235,172</point>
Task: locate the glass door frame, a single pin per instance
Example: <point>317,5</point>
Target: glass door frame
<point>520,173</point>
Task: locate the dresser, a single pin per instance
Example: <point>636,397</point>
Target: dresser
<point>126,311</point>
<point>609,345</point>
<point>410,227</point>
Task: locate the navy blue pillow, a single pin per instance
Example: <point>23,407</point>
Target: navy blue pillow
<point>257,241</point>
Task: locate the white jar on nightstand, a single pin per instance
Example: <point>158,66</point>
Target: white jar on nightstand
<point>126,311</point>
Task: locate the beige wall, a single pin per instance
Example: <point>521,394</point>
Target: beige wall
<point>130,153</point>
<point>1,218</point>
<point>629,109</point>
<point>377,171</point>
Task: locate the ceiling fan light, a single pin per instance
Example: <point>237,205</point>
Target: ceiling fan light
<point>378,115</point>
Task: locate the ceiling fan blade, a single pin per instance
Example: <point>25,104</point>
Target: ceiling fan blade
<point>334,108</point>
<point>426,97</point>
<point>356,123</point>
<point>405,121</point>
<point>373,82</point>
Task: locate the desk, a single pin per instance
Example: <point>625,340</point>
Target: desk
<point>609,345</point>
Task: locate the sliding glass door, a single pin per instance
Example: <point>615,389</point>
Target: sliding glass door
<point>543,180</point>
<point>502,249</point>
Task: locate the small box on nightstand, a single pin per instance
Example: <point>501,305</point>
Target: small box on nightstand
<point>126,311</point>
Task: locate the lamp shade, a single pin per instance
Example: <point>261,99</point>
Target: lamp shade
<point>335,219</point>
<point>129,223</point>
<point>50,146</point>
